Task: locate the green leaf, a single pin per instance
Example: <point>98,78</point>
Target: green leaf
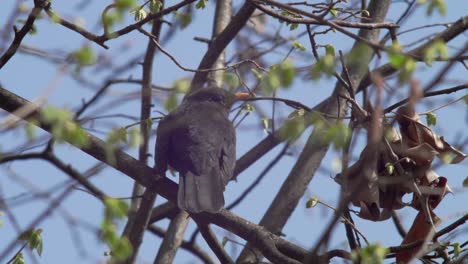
<point>407,70</point>
<point>171,102</point>
<point>1,222</point>
<point>184,18</point>
<point>266,124</point>
<point>257,74</point>
<point>231,80</point>
<point>84,56</point>
<point>293,128</point>
<point>396,60</point>
<point>365,13</point>
<point>149,124</point>
<point>431,119</point>
<point>312,202</point>
<point>33,238</point>
<point>436,4</point>
<point>372,254</point>
<point>30,129</point>
<point>438,48</point>
<point>287,73</point>
<point>124,4</point>
<point>155,6</point>
<point>465,182</point>
<point>396,56</point>
<point>121,249</point>
<point>116,136</point>
<point>64,129</point>
<point>456,249</point>
<point>19,259</point>
<point>334,12</point>
<point>338,134</point>
<point>115,208</point>
<point>330,50</point>
<point>293,26</point>
<point>249,108</point>
<point>201,4</point>
<point>140,14</point>
<point>135,137</point>
<point>390,168</point>
<point>298,45</point>
<point>271,82</point>
<point>465,98</point>
<point>181,85</point>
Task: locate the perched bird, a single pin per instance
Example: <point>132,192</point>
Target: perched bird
<point>198,140</point>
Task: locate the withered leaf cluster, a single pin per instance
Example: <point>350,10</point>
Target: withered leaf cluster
<point>397,164</point>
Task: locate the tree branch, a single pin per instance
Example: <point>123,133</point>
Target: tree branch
<point>19,35</point>
<point>172,239</point>
<point>220,43</point>
<point>190,247</point>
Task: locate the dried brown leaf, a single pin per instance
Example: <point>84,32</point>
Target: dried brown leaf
<point>420,230</point>
<point>415,133</point>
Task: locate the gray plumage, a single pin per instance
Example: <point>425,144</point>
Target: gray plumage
<point>198,140</point>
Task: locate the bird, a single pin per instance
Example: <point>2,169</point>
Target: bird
<point>198,140</point>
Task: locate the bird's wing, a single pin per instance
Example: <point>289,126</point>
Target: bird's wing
<point>203,152</point>
<point>162,146</point>
<point>228,154</point>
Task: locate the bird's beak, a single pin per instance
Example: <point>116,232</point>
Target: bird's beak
<point>242,96</point>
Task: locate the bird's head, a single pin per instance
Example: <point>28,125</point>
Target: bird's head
<point>216,96</point>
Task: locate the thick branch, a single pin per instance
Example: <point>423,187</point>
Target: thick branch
<point>191,247</point>
<point>212,242</point>
<point>220,43</point>
<point>173,238</point>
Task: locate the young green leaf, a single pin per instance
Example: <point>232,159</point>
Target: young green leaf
<point>257,74</point>
<point>19,259</point>
<point>390,168</point>
<point>124,4</point>
<point>372,254</point>
<point>312,202</point>
<point>184,18</point>
<point>293,26</point>
<point>201,4</point>
<point>84,56</point>
<point>298,45</point>
<point>436,4</point>
<point>365,13</point>
<point>286,73</point>
<point>266,124</point>
<point>140,14</point>
<point>456,249</point>
<point>115,208</point>
<point>30,129</point>
<point>431,119</point>
<point>438,48</point>
<point>33,238</point>
<point>171,102</point>
<point>155,6</point>
<point>249,108</point>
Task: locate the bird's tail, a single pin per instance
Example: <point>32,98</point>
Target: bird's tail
<point>202,193</point>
